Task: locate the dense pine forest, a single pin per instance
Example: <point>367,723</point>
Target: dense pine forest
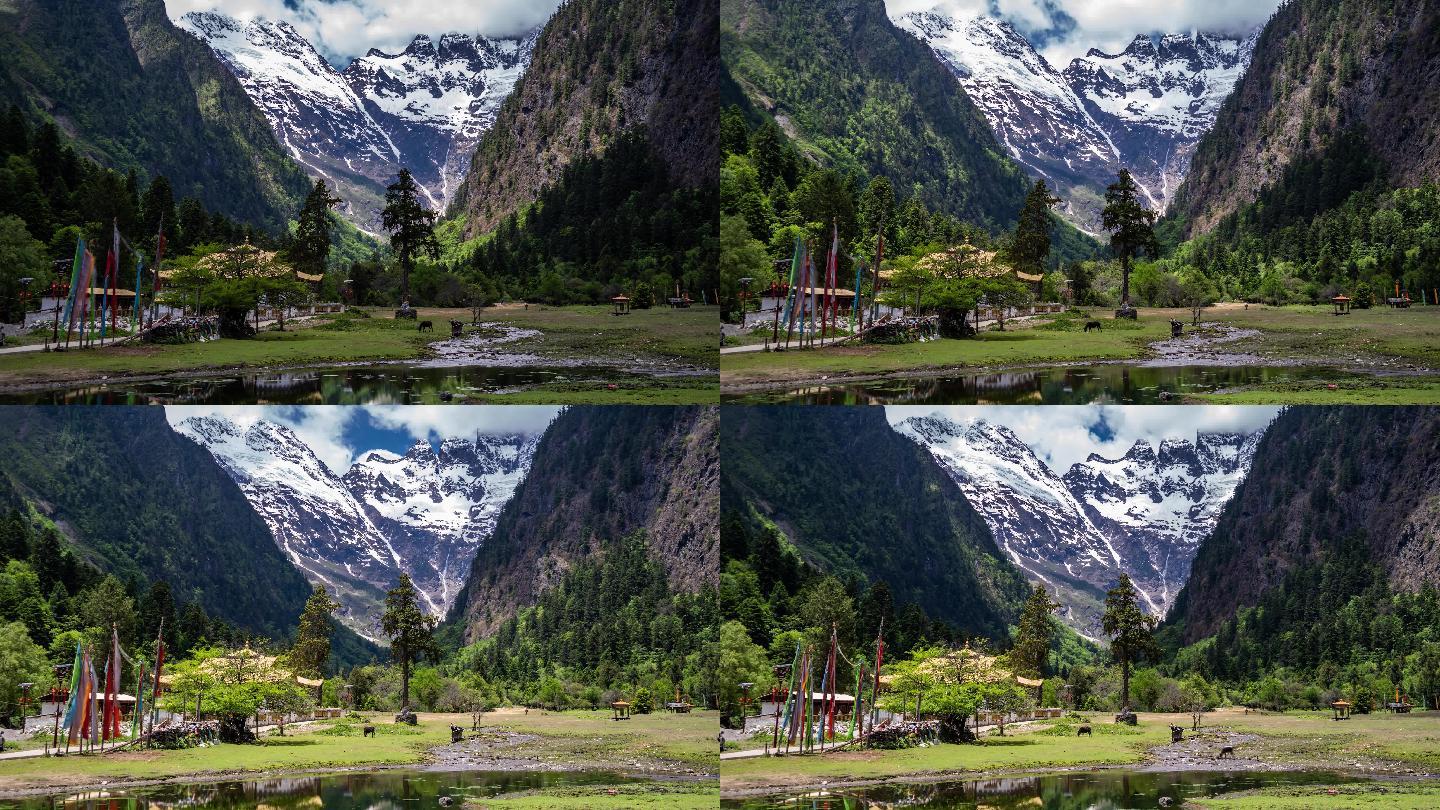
<point>611,627</point>
<point>611,223</point>
<point>1330,224</point>
<point>1333,628</point>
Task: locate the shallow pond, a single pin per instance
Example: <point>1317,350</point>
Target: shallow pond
<point>1102,790</point>
<point>347,791</point>
<point>342,385</point>
<point>1078,385</point>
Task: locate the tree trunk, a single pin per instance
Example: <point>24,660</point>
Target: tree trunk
<point>1125,686</point>
<point>1124,283</point>
<point>405,685</point>
<point>404,278</point>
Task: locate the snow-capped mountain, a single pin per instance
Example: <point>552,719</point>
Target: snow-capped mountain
<point>1143,109</point>
<point>423,109</point>
<point>424,513</point>
<point>1144,513</point>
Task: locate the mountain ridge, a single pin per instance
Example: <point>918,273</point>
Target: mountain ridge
<point>1143,514</point>
<point>186,522</point>
<point>1144,108</point>
<point>424,512</point>
<point>818,473</point>
<point>423,108</point>
<point>601,68</point>
<point>1318,73</point>
<point>1322,474</point>
<point>601,474</point>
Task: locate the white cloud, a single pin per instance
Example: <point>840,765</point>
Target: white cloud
<point>1062,435</point>
<point>324,428</point>
<point>344,29</point>
<point>440,422</point>
<point>1109,25</point>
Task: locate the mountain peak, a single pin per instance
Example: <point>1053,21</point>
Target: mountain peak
<point>423,108</point>
<point>1143,108</point>
<point>417,513</point>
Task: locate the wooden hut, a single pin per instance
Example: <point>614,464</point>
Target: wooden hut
<point>1342,304</point>
<point>621,710</point>
<point>621,304</point>
<point>1341,709</point>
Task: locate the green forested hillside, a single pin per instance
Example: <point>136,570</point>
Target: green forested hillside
<point>1323,566</point>
<point>144,503</point>
<point>862,97</point>
<point>860,501</point>
<point>137,93</point>
<point>596,178</point>
<point>600,474</point>
<point>1318,175</point>
<point>611,622</point>
<point>611,223</point>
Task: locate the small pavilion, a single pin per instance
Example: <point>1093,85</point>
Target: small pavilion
<point>621,304</point>
<point>621,709</point>
<point>1342,709</point>
<point>1342,304</point>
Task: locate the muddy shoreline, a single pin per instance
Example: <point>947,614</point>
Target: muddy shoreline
<point>1190,350</point>
<point>1197,753</point>
<point>470,351</point>
<point>487,750</point>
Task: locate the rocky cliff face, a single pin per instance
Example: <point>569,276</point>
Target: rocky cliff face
<point>601,67</point>
<point>424,513</point>
<point>424,108</point>
<point>1321,68</point>
<point>1144,108</point>
<point>600,474</point>
<point>1322,474</point>
<point>1143,514</point>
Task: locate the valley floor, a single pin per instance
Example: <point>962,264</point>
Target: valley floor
<point>1376,746</point>
<point>667,746</point>
<point>1379,355</point>
<point>659,355</point>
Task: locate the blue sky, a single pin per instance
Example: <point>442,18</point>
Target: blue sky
<point>344,29</point>
<point>340,433</point>
<point>1065,29</point>
<point>1062,435</point>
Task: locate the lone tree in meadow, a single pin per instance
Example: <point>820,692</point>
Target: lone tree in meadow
<point>410,630</point>
<point>312,641</point>
<point>1130,630</point>
<point>411,226</point>
<point>1036,631</point>
<point>1132,231</point>
<point>311,247</point>
<point>1030,245</point>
